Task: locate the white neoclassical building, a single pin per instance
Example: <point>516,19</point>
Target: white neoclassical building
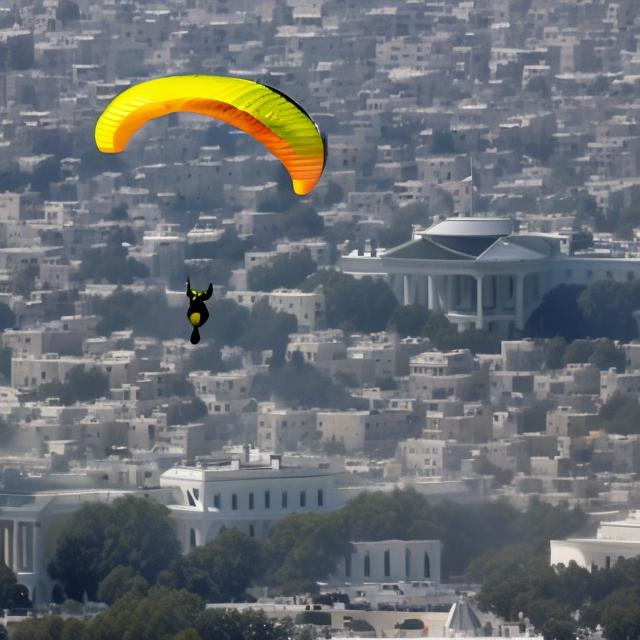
<point>390,560</point>
<point>245,496</point>
<point>614,540</point>
<point>479,273</point>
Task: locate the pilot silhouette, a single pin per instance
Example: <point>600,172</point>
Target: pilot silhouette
<point>197,312</point>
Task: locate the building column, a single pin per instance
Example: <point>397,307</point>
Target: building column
<point>450,293</point>
<point>479,309</point>
<point>433,302</point>
<point>519,302</point>
<point>17,548</point>
<point>407,282</point>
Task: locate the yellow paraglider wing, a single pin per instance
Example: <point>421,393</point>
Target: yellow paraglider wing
<point>263,112</point>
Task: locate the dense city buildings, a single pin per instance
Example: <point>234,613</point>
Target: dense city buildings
<point>449,320</point>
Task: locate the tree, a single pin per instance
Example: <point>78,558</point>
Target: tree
<point>12,594</point>
<point>147,314</point>
<point>23,282</point>
<point>285,271</point>
<point>111,264</point>
<point>303,221</point>
<point>621,614</point>
<point>7,317</point>
<point>579,351</point>
<point>362,304</point>
<point>408,320</point>
<point>608,309</point>
<point>606,355</point>
<point>554,351</point>
<point>269,330</point>
<point>67,11</point>
<point>399,230</point>
<point>186,411</point>
<point>120,212</point>
<point>133,532</point>
<point>221,570</point>
<point>334,194</point>
<point>300,384</point>
<point>87,385</point>
<point>620,414</point>
<point>303,548</point>
<point>122,581</point>
<point>163,613</point>
<point>558,314</point>
<point>228,321</point>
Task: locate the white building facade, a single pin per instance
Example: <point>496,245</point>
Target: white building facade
<point>480,274</point>
<point>390,560</point>
<point>613,541</point>
<point>243,496</point>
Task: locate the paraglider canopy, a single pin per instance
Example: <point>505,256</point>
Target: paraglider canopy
<point>265,113</point>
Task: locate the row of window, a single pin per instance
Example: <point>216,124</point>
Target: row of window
<point>284,500</point>
<point>426,564</point>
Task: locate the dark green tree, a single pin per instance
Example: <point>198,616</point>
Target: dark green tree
<point>399,230</point>
<point>554,350</point>
<point>221,570</point>
<point>133,532</point>
<point>122,581</point>
<point>285,271</point>
<point>361,304</point>
<point>607,355</point>
<point>408,320</point>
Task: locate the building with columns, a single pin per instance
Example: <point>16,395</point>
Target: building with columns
<point>481,274</point>
<point>30,525</point>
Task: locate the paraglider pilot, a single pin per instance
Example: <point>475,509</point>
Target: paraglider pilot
<point>197,312</point>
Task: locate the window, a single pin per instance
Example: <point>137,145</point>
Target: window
<point>196,494</point>
<point>251,501</point>
<point>427,565</point>
<point>217,501</point>
<point>387,563</point>
<point>303,498</point>
<point>234,501</point>
<point>367,565</point>
<point>192,538</point>
<point>407,563</point>
<point>320,498</point>
<point>285,500</point>
<point>252,531</point>
<point>608,562</point>
<point>267,499</point>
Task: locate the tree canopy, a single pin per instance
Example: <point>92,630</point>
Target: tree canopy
<point>285,271</point>
<point>131,532</point>
<point>363,304</point>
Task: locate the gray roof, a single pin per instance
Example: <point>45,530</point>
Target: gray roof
<point>462,617</point>
<point>425,249</point>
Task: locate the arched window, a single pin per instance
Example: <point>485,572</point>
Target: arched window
<point>367,565</point>
<point>407,563</point>
<point>427,565</point>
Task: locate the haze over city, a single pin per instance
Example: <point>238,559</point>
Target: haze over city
<point>319,319</point>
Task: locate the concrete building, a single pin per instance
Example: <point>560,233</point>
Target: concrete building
<point>390,560</point>
<point>481,274</point>
<point>248,497</point>
<point>30,526</point>
<point>614,540</point>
